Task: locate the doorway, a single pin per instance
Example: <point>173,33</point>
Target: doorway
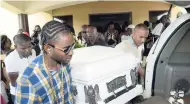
<point>68,19</point>
<point>101,20</point>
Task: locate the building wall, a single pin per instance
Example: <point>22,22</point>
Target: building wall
<point>140,10</point>
<point>39,18</point>
<point>8,23</point>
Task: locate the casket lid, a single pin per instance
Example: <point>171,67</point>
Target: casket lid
<point>90,63</point>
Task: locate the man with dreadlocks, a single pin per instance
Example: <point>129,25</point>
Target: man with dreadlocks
<point>47,80</point>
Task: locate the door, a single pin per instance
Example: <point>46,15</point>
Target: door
<point>101,20</point>
<point>68,19</point>
<point>172,70</point>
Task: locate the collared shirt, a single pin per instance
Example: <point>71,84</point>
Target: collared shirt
<point>14,63</point>
<point>34,86</point>
<point>129,46</point>
<point>124,37</point>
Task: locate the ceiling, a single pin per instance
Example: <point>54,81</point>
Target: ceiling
<point>31,6</point>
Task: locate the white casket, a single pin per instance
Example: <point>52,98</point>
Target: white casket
<point>104,75</point>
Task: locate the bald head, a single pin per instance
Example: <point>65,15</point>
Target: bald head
<point>141,26</point>
<point>84,27</point>
<point>140,34</point>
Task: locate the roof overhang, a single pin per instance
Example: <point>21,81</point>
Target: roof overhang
<point>31,6</point>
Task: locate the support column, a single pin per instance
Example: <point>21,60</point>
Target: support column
<point>23,22</point>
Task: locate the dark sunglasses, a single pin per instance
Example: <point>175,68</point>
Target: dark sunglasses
<point>66,50</point>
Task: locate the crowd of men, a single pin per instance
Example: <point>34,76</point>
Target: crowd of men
<point>37,69</point>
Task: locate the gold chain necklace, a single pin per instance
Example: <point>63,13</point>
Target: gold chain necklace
<point>51,84</point>
<point>62,87</point>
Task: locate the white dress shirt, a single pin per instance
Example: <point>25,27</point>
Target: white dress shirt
<point>129,46</point>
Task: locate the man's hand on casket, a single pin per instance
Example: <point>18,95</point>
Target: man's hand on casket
<point>140,71</point>
<point>13,76</point>
<point>141,75</point>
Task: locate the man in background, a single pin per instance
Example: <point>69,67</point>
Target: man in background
<point>94,38</point>
<point>19,59</point>
<point>82,33</point>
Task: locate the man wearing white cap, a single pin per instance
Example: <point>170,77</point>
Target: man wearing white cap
<point>128,31</point>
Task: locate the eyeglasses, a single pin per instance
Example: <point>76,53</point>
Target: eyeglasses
<point>66,50</point>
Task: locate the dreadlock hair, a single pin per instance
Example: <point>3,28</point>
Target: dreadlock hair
<point>51,30</point>
<point>142,26</point>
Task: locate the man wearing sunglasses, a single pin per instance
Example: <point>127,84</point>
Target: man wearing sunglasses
<point>47,80</point>
<point>17,61</point>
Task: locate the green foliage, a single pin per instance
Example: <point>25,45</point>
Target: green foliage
<point>78,45</point>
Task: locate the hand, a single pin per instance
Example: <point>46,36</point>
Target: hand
<point>140,71</point>
<point>13,77</point>
<point>109,37</point>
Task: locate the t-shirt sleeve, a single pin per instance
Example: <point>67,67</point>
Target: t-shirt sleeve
<point>9,66</point>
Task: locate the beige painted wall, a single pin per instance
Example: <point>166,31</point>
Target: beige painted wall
<point>38,19</point>
<point>140,10</point>
<point>8,23</point>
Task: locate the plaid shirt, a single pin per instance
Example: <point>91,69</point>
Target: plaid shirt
<point>34,86</point>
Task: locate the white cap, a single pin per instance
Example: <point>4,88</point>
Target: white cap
<point>131,26</point>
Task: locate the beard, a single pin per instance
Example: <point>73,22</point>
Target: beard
<point>62,61</point>
<point>25,55</point>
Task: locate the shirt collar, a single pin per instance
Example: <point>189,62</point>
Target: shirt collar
<point>132,41</point>
<point>24,57</point>
<point>40,60</point>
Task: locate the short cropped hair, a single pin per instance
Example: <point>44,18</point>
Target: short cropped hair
<point>93,28</point>
<point>141,26</point>
<point>84,26</point>
<point>21,38</point>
